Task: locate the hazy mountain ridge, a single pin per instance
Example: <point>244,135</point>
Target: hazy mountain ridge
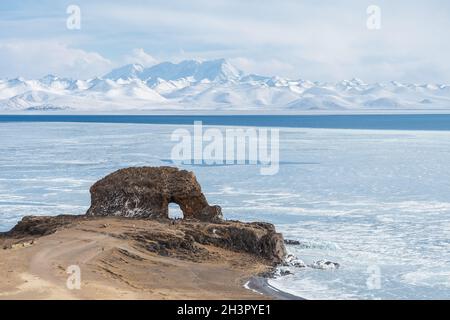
<point>211,85</point>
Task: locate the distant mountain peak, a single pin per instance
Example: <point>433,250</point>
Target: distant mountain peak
<point>353,82</point>
<point>194,70</point>
<point>212,84</point>
<point>49,77</point>
<point>17,80</point>
<point>129,71</point>
<point>220,69</point>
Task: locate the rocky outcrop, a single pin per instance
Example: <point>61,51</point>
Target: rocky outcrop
<point>26,231</point>
<point>190,239</point>
<point>257,238</point>
<point>146,193</point>
<point>37,226</point>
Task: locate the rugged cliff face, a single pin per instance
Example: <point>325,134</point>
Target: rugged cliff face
<point>146,193</point>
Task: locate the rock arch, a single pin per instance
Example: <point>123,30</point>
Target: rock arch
<point>145,192</point>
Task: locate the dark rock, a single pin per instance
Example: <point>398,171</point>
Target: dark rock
<point>40,226</point>
<point>146,193</point>
<point>285,272</point>
<point>291,242</point>
<point>256,238</point>
<point>179,245</point>
<point>270,274</point>
<point>298,264</point>
<point>324,265</point>
<point>293,261</point>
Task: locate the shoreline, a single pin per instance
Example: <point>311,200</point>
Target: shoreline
<point>261,286</point>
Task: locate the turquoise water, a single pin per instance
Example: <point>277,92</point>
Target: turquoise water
<point>379,122</point>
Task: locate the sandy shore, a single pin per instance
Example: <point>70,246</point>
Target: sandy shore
<point>116,267</point>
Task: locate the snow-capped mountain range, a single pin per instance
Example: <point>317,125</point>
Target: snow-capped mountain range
<point>211,85</point>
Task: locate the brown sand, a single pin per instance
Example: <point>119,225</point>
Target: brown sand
<point>117,268</point>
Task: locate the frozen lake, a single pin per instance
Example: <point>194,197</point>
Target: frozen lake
<point>375,201</point>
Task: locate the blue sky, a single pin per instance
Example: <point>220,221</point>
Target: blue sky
<point>317,40</point>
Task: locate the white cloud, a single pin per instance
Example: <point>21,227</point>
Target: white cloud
<point>140,56</point>
<point>317,40</point>
<point>33,59</point>
<point>324,41</point>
